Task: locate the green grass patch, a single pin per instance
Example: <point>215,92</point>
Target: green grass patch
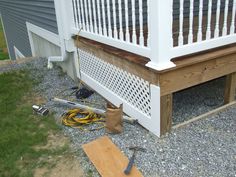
<point>3,45</point>
<point>20,129</point>
<point>4,56</point>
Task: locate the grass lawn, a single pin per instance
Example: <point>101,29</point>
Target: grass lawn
<point>3,55</point>
<point>21,130</point>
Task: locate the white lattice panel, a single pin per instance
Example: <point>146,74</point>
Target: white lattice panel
<point>130,88</point>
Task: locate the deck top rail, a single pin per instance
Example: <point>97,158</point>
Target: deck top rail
<point>159,30</point>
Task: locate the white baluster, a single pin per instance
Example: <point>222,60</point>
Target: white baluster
<point>232,27</point>
<point>217,28</point>
<point>99,17</point>
<point>75,13</point>
<point>95,17</point>
<point>120,20</point>
<point>114,19</point>
<point>149,24</point>
<point>109,18</point>
<point>208,33</point>
<point>90,16</point>
<point>181,22</point>
<point>83,15</point>
<point>190,35</point>
<point>79,13</point>
<point>86,15</point>
<point>141,38</point>
<point>199,34</point>
<point>225,17</point>
<point>104,19</point>
<point>134,35</point>
<point>127,21</point>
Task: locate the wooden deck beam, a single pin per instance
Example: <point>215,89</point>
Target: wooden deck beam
<point>196,73</point>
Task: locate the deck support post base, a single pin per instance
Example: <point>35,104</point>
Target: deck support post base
<point>230,88</point>
<point>166,113</point>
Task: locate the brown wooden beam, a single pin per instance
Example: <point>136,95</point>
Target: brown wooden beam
<point>230,88</point>
<point>166,113</point>
<point>195,74</point>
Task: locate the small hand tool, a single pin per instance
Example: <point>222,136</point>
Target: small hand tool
<point>131,160</point>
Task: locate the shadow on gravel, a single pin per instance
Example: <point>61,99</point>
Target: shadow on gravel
<point>198,100</point>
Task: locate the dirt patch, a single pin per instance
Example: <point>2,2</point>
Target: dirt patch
<point>10,62</point>
<point>66,166</point>
<point>61,165</point>
<point>55,141</point>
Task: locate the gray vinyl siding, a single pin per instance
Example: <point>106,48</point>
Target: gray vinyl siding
<point>15,13</point>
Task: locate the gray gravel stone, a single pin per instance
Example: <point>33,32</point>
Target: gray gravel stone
<point>204,148</point>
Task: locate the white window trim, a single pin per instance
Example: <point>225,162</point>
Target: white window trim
<point>18,53</point>
<point>47,35</point>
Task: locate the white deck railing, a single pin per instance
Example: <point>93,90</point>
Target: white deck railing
<point>214,29</point>
<point>148,27</point>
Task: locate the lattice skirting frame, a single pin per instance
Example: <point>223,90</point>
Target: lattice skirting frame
<point>140,99</point>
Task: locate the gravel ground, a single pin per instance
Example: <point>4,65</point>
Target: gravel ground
<point>204,148</point>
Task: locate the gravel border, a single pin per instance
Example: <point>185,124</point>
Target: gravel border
<point>203,148</point>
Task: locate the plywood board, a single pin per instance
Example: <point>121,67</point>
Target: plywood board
<point>108,159</point>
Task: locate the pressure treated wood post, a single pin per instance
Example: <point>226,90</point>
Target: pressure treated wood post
<point>230,88</point>
<point>166,113</point>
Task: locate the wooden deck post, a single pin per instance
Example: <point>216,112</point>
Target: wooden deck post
<point>166,113</point>
<point>230,88</point>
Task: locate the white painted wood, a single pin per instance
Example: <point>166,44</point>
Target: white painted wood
<point>208,33</point>
<point>217,27</point>
<point>45,34</point>
<point>181,23</point>
<point>109,18</point>
<point>75,13</point>
<point>201,46</point>
<point>133,48</point>
<point>114,19</point>
<point>149,24</point>
<point>90,16</point>
<point>225,17</point>
<point>161,34</point>
<point>199,35</point>
<point>64,11</point>
<point>151,123</point>
<point>155,122</point>
<point>18,53</point>
<point>190,35</point>
<point>232,27</point>
<point>86,15</point>
<point>141,37</point>
<point>104,19</point>
<point>95,17</point>
<point>121,33</point>
<point>79,14</point>
<point>83,15</point>
<point>127,38</point>
<point>134,35</point>
<point>99,17</point>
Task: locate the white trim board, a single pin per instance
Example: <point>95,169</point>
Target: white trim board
<point>18,53</point>
<point>47,35</point>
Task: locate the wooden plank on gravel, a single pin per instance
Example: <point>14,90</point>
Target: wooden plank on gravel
<point>108,159</point>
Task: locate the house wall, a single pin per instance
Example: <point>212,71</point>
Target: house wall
<point>15,13</point>
<point>44,48</point>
